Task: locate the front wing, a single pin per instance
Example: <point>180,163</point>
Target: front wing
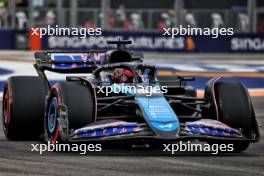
<point>132,133</point>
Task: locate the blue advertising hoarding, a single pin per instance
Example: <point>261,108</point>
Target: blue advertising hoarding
<point>155,41</point>
<point>8,39</point>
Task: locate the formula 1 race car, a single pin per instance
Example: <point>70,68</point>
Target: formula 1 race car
<point>118,98</point>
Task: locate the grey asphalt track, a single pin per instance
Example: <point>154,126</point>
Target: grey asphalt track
<point>16,158</point>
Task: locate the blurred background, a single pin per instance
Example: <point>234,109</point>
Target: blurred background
<point>234,58</point>
<point>238,57</point>
<point>127,15</point>
<point>245,16</point>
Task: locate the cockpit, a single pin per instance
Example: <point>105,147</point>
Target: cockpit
<point>128,75</point>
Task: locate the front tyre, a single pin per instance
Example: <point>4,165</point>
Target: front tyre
<point>78,105</point>
<point>234,108</point>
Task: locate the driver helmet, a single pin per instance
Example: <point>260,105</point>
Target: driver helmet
<point>122,76</point>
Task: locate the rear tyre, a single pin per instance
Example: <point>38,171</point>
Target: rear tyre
<point>235,109</point>
<point>80,108</point>
<point>23,107</point>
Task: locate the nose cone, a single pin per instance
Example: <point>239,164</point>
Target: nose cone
<point>159,115</point>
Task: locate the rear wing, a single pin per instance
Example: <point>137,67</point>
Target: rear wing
<point>70,62</point>
<point>74,62</point>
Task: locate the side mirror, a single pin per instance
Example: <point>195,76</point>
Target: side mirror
<point>187,78</point>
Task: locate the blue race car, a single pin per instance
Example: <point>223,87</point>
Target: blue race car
<point>122,99</point>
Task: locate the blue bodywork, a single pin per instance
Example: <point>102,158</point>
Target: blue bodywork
<point>158,113</point>
<point>155,108</point>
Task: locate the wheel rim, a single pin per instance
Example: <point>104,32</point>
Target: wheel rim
<point>52,115</point>
<point>6,110</point>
